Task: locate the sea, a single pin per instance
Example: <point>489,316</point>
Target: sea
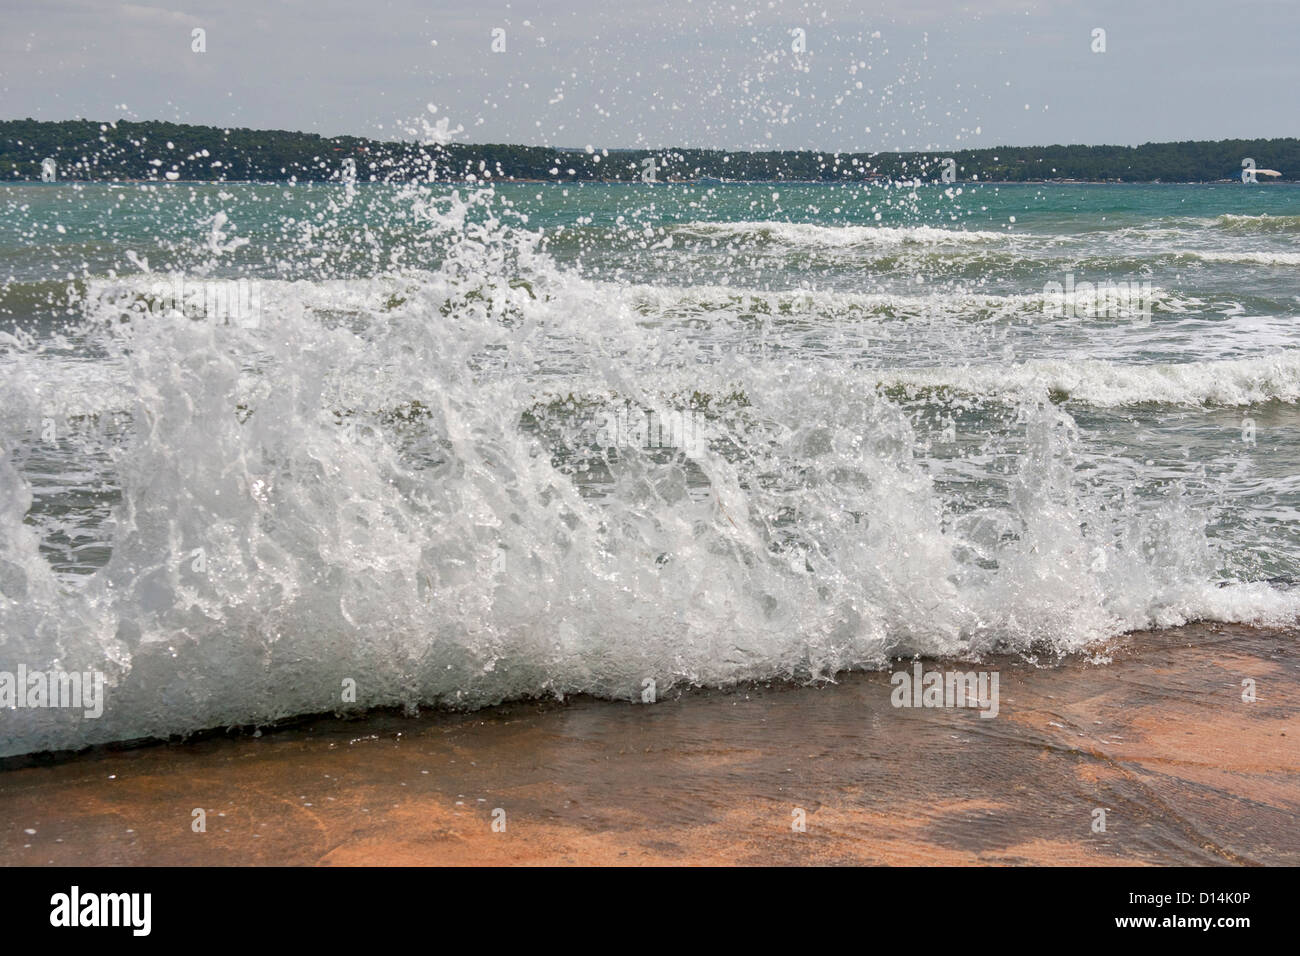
<point>270,450</point>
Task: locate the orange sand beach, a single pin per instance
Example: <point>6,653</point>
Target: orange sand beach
<point>1159,739</point>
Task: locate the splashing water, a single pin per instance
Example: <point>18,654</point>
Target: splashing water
<point>403,474</point>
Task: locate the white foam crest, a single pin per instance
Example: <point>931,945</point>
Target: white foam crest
<point>1227,382</point>
<point>1244,256</point>
<point>1263,223</point>
<point>812,234</point>
<point>951,303</point>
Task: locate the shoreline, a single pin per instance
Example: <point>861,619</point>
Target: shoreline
<point>1159,738</point>
<point>625,182</point>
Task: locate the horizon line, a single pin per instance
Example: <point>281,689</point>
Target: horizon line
<point>635,149</point>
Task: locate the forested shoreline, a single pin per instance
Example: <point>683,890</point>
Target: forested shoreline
<point>154,150</point>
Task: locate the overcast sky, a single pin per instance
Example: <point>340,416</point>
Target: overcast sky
<point>914,74</point>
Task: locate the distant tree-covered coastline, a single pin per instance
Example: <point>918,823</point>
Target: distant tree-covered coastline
<point>152,150</point>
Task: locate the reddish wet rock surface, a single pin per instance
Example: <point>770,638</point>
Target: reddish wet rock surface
<point>1159,738</point>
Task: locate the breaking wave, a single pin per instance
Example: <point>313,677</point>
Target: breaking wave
<point>404,482</point>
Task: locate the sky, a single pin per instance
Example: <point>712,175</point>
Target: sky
<point>745,74</point>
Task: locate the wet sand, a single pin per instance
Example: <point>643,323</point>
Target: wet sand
<point>1160,738</point>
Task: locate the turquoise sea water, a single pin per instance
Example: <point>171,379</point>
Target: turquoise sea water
<point>460,444</point>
